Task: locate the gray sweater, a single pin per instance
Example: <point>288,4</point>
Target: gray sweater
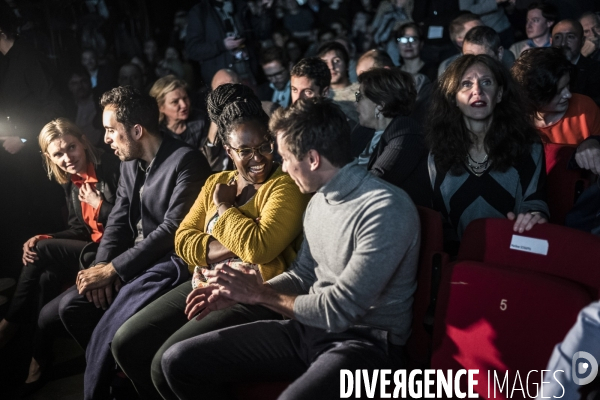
<point>358,262</point>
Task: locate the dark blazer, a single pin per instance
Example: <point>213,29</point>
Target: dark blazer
<point>172,185</point>
<point>587,78</point>
<point>107,173</point>
<point>400,158</point>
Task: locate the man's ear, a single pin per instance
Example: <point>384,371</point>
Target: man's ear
<point>314,159</point>
<point>325,91</point>
<point>138,131</point>
<point>500,53</point>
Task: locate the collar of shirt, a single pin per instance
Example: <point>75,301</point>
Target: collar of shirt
<point>89,176</point>
<point>531,44</point>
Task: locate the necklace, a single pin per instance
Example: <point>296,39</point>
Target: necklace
<point>477,167</point>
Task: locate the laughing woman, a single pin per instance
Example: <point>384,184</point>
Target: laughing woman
<point>250,218</point>
<point>486,160</point>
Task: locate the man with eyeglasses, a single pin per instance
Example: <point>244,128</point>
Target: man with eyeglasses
<point>568,36</point>
<point>276,66</point>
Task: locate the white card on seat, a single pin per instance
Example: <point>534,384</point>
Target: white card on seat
<point>529,245</point>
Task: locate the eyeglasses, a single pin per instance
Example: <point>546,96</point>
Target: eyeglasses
<point>407,39</point>
<point>248,153</point>
<point>275,75</point>
<point>358,95</point>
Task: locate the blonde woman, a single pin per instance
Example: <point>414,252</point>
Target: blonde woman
<point>50,261</point>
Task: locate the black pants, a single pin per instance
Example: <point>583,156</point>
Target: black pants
<point>275,351</point>
<point>139,344</point>
<point>43,280</point>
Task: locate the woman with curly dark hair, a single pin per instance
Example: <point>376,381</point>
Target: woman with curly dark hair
<point>486,159</point>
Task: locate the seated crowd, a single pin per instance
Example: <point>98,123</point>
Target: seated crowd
<point>263,225</point>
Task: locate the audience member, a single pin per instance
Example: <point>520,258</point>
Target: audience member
<point>433,17</point>
<point>541,16</point>
<point>492,15</point>
<point>338,317</point>
<point>294,51</point>
<point>567,35</point>
<point>341,91</point>
<point>131,74</point>
<point>224,76</point>
<point>160,179</point>
<point>247,218</point>
<point>299,21</point>
<point>218,37</point>
<point>484,150</point>
<point>397,151</point>
<point>559,115</point>
<point>89,178</point>
<point>86,112</point>
<point>102,76</point>
<point>591,31</point>
<point>410,42</point>
<point>276,67</point>
<point>458,29</point>
<point>484,40</point>
<point>176,117</point>
<point>389,15</point>
<point>310,78</point>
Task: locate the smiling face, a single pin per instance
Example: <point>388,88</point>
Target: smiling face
<point>117,137</point>
<point>68,153</point>
<point>560,101</point>
<point>337,67</point>
<point>298,170</point>
<point>537,26</point>
<point>176,106</point>
<point>248,135</point>
<point>478,93</point>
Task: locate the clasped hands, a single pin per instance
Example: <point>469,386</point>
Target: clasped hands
<point>226,287</point>
<point>100,284</point>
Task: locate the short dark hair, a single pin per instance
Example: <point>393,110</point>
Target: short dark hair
<point>484,36</point>
<point>339,49</point>
<point>457,24</point>
<point>393,89</point>
<point>314,69</point>
<point>576,24</point>
<point>133,107</point>
<point>314,124</point>
<point>538,71</point>
<point>402,28</point>
<point>274,53</point>
<point>548,10</point>
<point>380,58</point>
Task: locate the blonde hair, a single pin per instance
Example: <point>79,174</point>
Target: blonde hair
<point>57,129</point>
<point>165,85</point>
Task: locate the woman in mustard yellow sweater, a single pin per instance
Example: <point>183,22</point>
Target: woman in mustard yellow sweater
<point>250,218</point>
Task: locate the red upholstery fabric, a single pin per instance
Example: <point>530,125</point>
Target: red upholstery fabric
<point>502,319</point>
<point>431,252</point>
<point>563,184</point>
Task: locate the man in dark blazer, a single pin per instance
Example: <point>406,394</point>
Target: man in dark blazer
<point>160,179</point>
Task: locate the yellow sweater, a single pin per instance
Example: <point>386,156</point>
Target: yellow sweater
<point>272,243</point>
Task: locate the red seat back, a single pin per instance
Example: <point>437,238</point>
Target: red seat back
<point>431,258</point>
<point>563,185</point>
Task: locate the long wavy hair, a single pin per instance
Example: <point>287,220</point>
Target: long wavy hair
<point>510,133</point>
<point>57,129</point>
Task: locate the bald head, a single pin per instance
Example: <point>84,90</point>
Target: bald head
<point>568,36</point>
<point>224,76</point>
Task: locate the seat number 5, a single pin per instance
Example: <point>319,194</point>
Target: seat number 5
<point>503,305</point>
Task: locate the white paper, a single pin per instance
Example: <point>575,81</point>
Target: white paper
<point>435,32</point>
<point>529,245</point>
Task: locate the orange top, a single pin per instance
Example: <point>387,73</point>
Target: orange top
<point>581,120</point>
<point>90,214</point>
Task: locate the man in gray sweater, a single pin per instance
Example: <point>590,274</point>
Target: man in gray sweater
<point>348,295</point>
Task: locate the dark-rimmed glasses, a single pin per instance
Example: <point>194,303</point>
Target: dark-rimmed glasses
<point>247,153</point>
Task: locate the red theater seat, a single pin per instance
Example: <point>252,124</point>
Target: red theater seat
<point>501,309</point>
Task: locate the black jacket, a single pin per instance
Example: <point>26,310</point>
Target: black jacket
<point>107,173</point>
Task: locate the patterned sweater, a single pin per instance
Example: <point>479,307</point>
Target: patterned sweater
<point>272,243</point>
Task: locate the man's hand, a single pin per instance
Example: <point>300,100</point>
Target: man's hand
<point>205,300</point>
<point>29,254</point>
<point>243,287</point>
<point>96,277</point>
<point>225,194</point>
<point>526,221</point>
<point>232,43</point>
<point>587,155</point>
<point>589,46</point>
<point>89,195</point>
<point>13,144</point>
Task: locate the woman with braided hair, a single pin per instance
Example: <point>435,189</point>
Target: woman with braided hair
<point>249,218</point>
